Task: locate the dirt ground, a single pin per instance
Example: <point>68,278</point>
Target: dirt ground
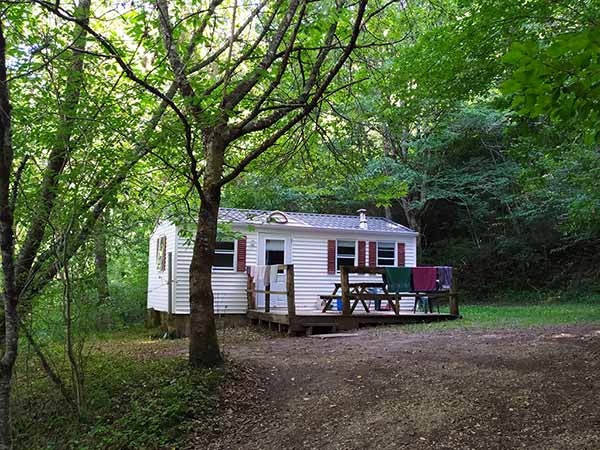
<point>390,389</point>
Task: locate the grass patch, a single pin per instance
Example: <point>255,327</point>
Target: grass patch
<point>523,311</point>
<point>141,398</point>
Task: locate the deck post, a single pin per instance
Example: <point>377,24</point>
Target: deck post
<point>268,297</point>
<point>344,282</point>
<point>250,292</point>
<point>291,300</point>
<point>453,300</point>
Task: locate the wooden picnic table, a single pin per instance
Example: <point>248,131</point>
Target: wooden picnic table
<point>359,293</point>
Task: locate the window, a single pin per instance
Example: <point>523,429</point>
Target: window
<point>275,252</point>
<point>386,254</point>
<point>161,253</point>
<point>224,255</point>
<point>346,253</point>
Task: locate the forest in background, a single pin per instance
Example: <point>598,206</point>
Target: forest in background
<point>474,123</point>
<point>449,128</point>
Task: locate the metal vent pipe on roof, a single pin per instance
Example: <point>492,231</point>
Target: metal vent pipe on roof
<point>362,219</point>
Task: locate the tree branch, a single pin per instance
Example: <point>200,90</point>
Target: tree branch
<point>267,143</point>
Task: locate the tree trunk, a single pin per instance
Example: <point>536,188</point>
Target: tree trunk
<point>101,266</point>
<point>7,248</point>
<point>412,219</point>
<point>388,212</point>
<point>5,381</point>
<point>204,345</point>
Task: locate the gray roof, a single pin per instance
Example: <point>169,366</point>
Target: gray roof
<point>312,220</point>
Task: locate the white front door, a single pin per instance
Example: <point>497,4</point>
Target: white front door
<point>274,249</point>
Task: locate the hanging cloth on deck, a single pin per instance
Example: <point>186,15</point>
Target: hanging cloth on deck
<point>424,278</point>
<point>444,276</point>
<point>251,270</point>
<point>273,273</point>
<point>398,279</point>
<point>260,274</point>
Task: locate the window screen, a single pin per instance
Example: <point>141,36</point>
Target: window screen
<point>274,252</point>
<point>386,254</point>
<point>161,253</point>
<point>224,255</point>
<point>346,251</point>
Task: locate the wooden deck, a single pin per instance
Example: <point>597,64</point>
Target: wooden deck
<point>332,321</point>
<point>299,322</point>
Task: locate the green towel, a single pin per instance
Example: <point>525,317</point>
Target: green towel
<point>398,279</point>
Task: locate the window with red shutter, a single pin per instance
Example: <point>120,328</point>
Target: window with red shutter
<point>224,255</point>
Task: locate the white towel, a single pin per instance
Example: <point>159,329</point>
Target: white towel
<point>262,275</point>
<point>273,273</point>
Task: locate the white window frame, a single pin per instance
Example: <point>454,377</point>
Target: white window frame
<point>336,252</point>
<point>395,248</point>
<point>233,267</point>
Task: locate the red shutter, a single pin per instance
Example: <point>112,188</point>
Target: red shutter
<point>401,254</point>
<point>372,253</point>
<point>241,255</point>
<point>362,253</point>
<point>331,257</point>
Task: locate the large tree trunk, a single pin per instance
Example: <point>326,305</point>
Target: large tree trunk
<point>204,345</point>
<point>7,248</point>
<point>5,382</point>
<point>101,265</point>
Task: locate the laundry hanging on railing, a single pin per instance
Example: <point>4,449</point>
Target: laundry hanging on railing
<point>260,274</point>
<point>424,278</point>
<point>272,275</point>
<point>398,279</point>
<point>421,279</point>
<point>264,275</point>
<point>444,276</point>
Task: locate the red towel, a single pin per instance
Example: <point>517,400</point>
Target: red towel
<point>424,278</point>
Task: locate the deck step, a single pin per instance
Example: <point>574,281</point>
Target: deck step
<point>333,335</point>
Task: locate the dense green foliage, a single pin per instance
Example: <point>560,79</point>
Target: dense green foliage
<point>140,396</point>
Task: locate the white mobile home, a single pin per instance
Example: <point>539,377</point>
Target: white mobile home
<point>316,244</point>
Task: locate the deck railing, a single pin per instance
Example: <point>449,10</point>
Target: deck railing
<point>345,272</point>
<point>251,290</point>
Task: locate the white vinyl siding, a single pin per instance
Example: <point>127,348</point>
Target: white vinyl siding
<point>308,254</point>
<point>229,286</point>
